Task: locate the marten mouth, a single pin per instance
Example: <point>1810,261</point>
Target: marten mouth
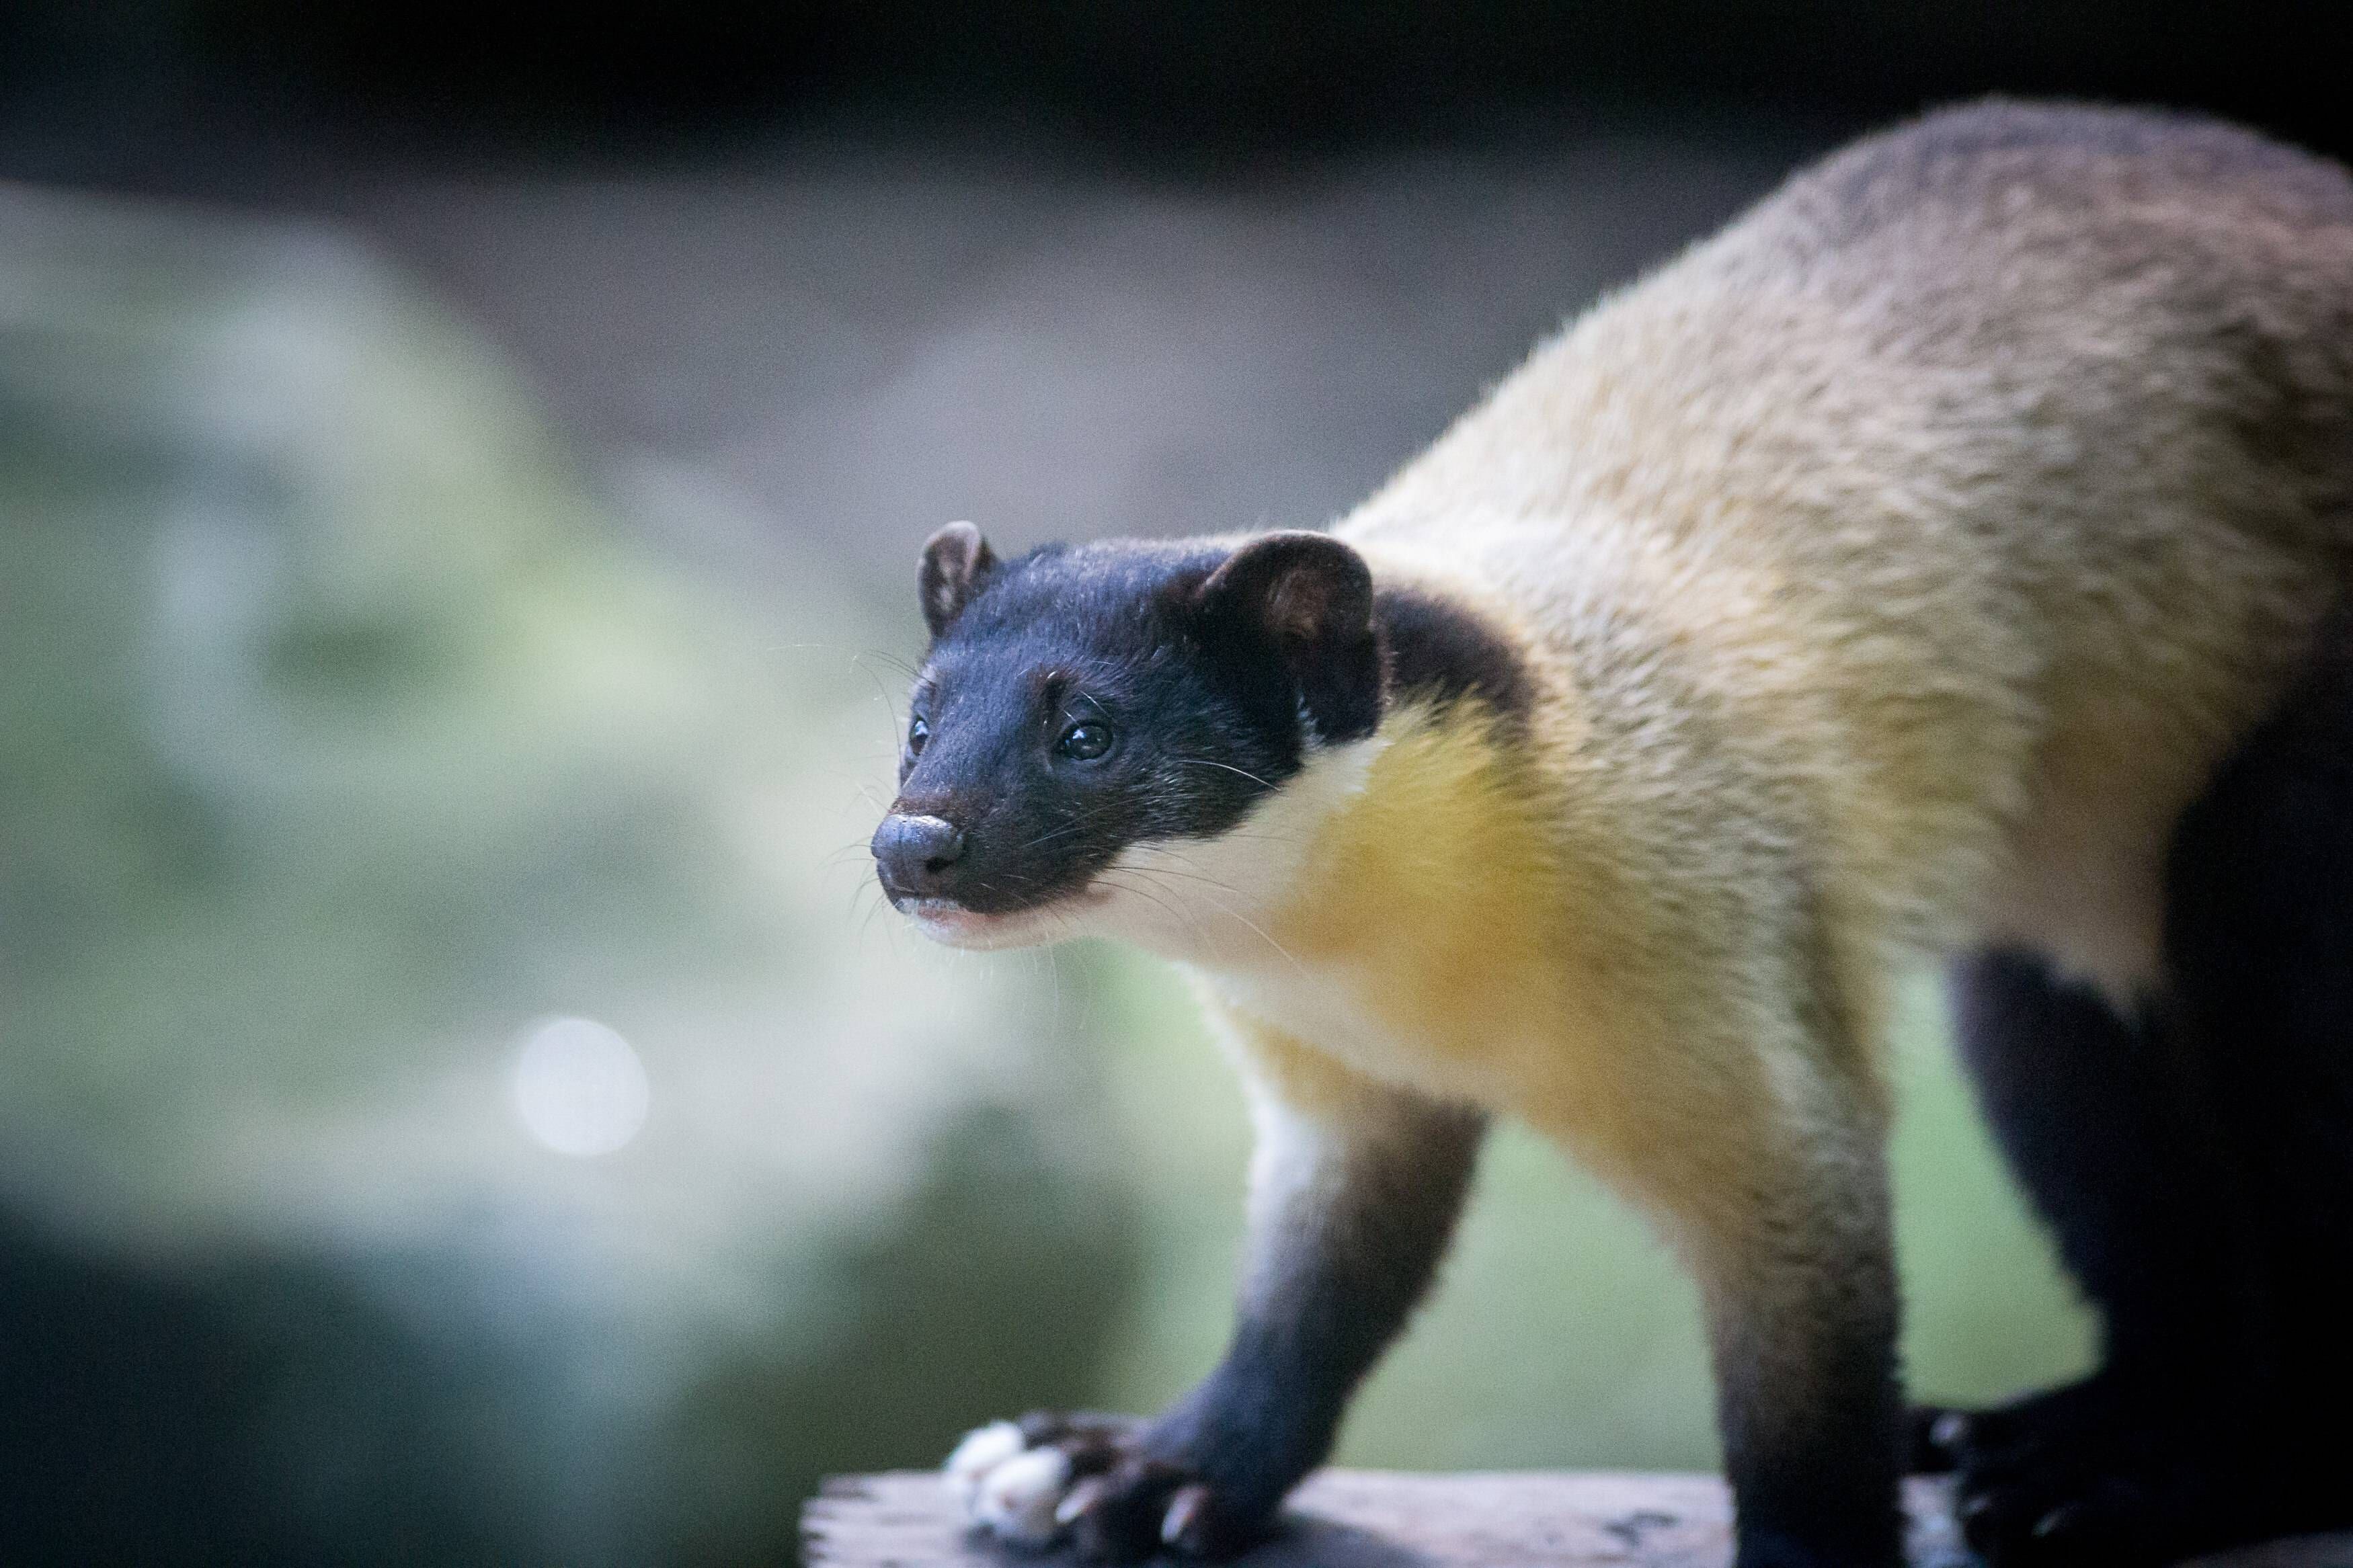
<point>952,924</point>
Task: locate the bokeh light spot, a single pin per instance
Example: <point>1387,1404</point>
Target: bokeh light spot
<point>578,1087</point>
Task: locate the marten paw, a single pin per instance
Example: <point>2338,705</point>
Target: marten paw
<point>1094,1481</point>
<point>2084,1475</point>
<point>1943,1438</point>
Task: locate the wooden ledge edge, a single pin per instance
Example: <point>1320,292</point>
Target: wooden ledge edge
<point>1396,1519</point>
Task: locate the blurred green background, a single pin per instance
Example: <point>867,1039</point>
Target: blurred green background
<point>461,1100</point>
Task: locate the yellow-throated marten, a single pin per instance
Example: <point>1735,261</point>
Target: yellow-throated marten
<point>1938,565</point>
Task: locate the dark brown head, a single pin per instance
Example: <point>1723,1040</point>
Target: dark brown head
<point>1081,699</point>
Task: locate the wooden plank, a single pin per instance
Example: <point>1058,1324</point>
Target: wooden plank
<point>1384,1519</point>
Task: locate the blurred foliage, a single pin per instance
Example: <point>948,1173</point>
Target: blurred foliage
<point>340,738</point>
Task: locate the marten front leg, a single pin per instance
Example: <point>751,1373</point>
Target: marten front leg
<point>1796,1267</point>
<point>1353,1193</point>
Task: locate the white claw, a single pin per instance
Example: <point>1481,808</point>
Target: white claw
<point>982,1449</point>
<point>1080,1499</point>
<point>1182,1509</point>
<point>1017,1500</point>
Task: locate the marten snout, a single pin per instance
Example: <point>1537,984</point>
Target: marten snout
<point>919,857</point>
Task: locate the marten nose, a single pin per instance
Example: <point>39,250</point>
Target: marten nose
<point>916,854</point>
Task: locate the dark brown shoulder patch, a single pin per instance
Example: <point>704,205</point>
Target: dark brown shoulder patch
<point>1440,653</point>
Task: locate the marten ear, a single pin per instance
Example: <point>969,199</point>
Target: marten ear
<point>1307,599</point>
<point>957,562</point>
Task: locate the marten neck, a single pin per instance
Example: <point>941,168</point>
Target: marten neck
<point>1375,845</point>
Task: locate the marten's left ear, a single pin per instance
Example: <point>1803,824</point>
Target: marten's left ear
<point>1307,599</point>
<point>956,561</point>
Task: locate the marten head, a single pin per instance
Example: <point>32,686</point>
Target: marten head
<point>1082,703</point>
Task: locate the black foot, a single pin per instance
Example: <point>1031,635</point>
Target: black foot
<point>1764,1548</point>
<point>1098,1482</point>
<point>2095,1475</point>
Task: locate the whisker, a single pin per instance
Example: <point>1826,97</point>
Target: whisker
<point>1177,910</point>
<point>1231,912</point>
<point>1222,887</point>
<point>857,891</point>
<point>876,908</point>
<point>1063,832</point>
<point>846,852</point>
<point>892,659</point>
<point>882,695</point>
<point>1262,936</point>
<point>1054,983</point>
<point>1212,763</point>
<point>1182,907</point>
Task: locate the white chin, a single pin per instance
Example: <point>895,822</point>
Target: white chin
<point>953,925</point>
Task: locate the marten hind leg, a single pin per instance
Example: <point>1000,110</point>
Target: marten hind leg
<point>1354,1190</point>
<point>2195,1164</point>
<point>2259,951</point>
<point>2102,1122</point>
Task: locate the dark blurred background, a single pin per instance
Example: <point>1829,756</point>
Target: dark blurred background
<point>459,471</point>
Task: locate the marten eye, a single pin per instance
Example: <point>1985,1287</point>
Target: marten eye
<point>917,734</point>
<point>1085,741</point>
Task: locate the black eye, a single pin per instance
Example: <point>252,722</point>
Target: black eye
<point>1084,741</point>
<point>917,734</point>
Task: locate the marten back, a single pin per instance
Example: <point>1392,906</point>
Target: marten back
<point>2001,462</point>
